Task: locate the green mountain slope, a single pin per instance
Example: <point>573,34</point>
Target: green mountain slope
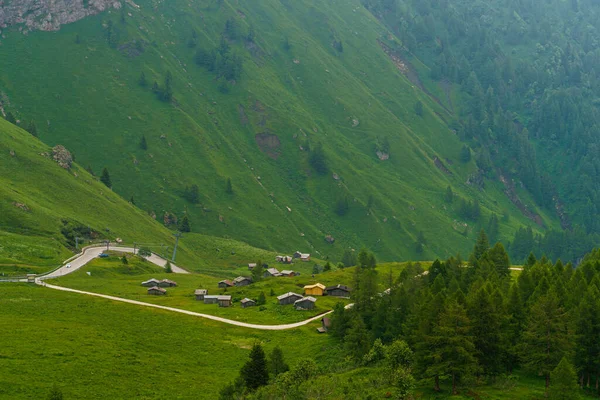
<point>44,206</point>
<point>314,74</point>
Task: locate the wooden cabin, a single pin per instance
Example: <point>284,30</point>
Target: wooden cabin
<point>200,293</point>
<point>288,298</point>
<point>224,301</point>
<point>167,283</point>
<point>338,291</point>
<point>325,325</point>
<point>271,272</point>
<point>305,303</point>
<point>247,303</point>
<point>251,266</point>
<point>225,284</point>
<point>211,299</point>
<point>317,289</point>
<point>157,291</point>
<point>288,273</point>
<point>151,283</point>
<point>242,281</point>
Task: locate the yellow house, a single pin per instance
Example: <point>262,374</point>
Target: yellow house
<point>314,290</point>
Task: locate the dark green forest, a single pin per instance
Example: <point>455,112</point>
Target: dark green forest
<point>530,81</point>
<point>456,328</point>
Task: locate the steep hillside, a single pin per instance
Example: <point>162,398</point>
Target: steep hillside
<point>44,206</point>
<point>307,108</point>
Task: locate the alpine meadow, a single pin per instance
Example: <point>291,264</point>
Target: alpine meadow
<point>293,199</point>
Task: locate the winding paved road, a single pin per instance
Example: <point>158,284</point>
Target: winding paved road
<point>89,253</point>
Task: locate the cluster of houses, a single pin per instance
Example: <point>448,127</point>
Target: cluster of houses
<point>239,281</point>
<point>156,287</point>
<point>307,302</point>
<point>305,257</point>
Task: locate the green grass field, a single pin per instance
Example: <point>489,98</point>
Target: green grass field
<point>95,348</point>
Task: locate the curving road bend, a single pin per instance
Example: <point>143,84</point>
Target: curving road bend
<point>90,253</point>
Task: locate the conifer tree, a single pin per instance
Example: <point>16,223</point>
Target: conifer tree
<point>143,81</point>
<point>449,196</point>
<point>453,348</point>
<point>168,268</point>
<point>563,382</point>
<point>184,226</point>
<point>357,339</point>
<point>499,257</point>
<point>257,272</point>
<point>339,321</point>
<point>255,372</point>
<point>262,300</point>
<point>132,200</point>
<point>516,322</point>
<point>124,260</point>
<point>143,143</point>
<point>11,118</point>
<point>228,187</point>
<point>546,337</point>
<point>482,245</point>
<point>31,128</point>
<point>587,350</point>
<point>486,321</point>
<point>105,178</point>
<point>276,362</point>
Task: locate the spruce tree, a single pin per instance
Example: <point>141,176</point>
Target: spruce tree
<point>184,226</point>
<point>449,196</point>
<point>261,299</point>
<point>31,128</point>
<point>453,350</point>
<point>228,187</point>
<point>340,321</point>
<point>499,257</point>
<point>563,382</point>
<point>482,245</point>
<point>124,260</point>
<point>357,340</point>
<point>132,200</point>
<point>546,337</point>
<point>276,362</point>
<point>143,143</point>
<point>516,322</point>
<point>587,350</point>
<point>255,372</point>
<point>168,268</point>
<point>142,81</point>
<point>105,178</point>
<point>11,118</point>
<point>257,272</point>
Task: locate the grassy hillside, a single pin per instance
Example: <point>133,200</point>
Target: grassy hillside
<point>44,205</point>
<point>320,78</point>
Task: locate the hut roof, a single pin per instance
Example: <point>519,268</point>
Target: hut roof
<point>308,298</point>
<point>156,288</point>
<point>319,285</point>
<point>169,281</point>
<point>288,294</point>
<point>224,298</point>
<point>247,300</point>
<point>341,287</point>
<point>211,296</point>
<point>287,272</point>
<point>200,291</point>
<point>227,282</point>
<point>242,278</point>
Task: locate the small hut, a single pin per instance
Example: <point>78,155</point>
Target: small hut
<point>200,293</point>
<point>288,298</point>
<point>224,301</point>
<point>157,291</point>
<point>242,281</point>
<point>225,284</point>
<point>248,303</point>
<point>271,272</point>
<point>305,303</point>
<point>151,283</point>
<point>338,291</point>
<point>317,289</point>
<point>211,299</point>
<point>167,283</point>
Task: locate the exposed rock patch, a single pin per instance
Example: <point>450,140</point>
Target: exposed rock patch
<point>269,144</point>
<point>440,165</point>
<point>21,206</point>
<point>50,15</point>
<point>62,156</point>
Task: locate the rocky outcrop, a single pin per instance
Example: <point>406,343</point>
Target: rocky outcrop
<point>49,15</point>
<point>62,156</point>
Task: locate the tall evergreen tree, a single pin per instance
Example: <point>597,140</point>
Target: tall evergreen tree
<point>228,187</point>
<point>587,350</point>
<point>143,143</point>
<point>357,340</point>
<point>454,350</point>
<point>276,362</point>
<point>482,245</point>
<point>184,226</point>
<point>255,372</point>
<point>546,338</point>
<point>31,128</point>
<point>105,178</point>
<point>11,118</point>
<point>257,272</point>
<point>563,382</point>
